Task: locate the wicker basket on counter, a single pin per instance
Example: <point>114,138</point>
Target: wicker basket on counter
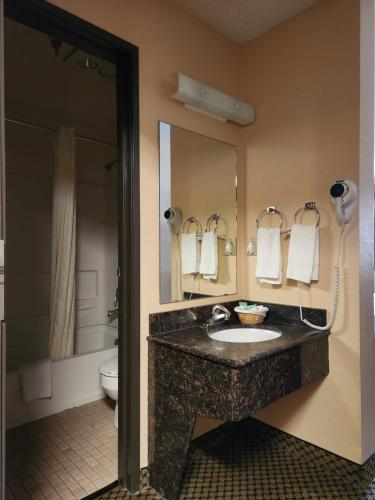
<point>248,317</point>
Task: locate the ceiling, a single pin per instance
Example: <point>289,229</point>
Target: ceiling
<point>244,20</point>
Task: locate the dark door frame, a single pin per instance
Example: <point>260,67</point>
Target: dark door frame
<point>58,23</point>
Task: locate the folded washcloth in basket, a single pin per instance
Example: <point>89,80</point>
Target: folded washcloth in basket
<point>251,309</point>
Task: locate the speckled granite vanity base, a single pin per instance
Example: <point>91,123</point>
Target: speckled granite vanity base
<point>191,375</point>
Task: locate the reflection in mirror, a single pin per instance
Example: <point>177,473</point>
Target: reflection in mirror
<point>198,215</point>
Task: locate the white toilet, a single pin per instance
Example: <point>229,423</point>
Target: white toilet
<point>109,381</point>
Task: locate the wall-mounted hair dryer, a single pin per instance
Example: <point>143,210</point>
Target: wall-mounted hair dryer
<point>343,197</point>
<point>173,216</point>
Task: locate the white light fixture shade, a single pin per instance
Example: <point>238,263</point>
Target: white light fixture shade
<point>208,100</point>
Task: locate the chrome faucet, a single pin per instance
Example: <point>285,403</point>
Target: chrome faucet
<point>219,315</point>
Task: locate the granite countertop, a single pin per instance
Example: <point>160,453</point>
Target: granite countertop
<point>195,341</point>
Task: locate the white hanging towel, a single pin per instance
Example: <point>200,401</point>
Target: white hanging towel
<point>209,256</point>
<point>189,253</point>
<point>315,272</point>
<point>269,260</point>
<point>36,380</point>
<point>303,258</point>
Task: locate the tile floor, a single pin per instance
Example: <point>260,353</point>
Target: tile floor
<point>250,460</point>
<point>74,453</point>
<point>65,456</point>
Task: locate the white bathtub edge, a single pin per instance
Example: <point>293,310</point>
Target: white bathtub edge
<point>75,381</point>
<point>37,414</point>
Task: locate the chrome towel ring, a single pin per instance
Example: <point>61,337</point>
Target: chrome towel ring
<point>213,218</point>
<point>310,205</point>
<point>192,220</point>
<point>269,210</point>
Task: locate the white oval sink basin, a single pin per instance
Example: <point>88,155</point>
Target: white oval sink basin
<point>244,335</point>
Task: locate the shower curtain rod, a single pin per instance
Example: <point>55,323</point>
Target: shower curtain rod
<point>49,129</point>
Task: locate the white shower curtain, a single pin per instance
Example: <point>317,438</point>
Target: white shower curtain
<point>62,309</point>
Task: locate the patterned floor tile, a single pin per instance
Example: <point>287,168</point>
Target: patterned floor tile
<point>65,456</point>
<point>250,460</point>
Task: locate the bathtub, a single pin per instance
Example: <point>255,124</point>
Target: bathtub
<point>75,380</point>
<point>95,338</point>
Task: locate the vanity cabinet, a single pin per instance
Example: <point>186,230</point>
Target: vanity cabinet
<point>192,376</point>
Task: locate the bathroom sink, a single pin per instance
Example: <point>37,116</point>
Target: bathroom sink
<point>244,335</point>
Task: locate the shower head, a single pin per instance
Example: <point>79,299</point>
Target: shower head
<point>84,61</point>
<point>87,64</point>
<point>110,164</point>
<point>56,45</point>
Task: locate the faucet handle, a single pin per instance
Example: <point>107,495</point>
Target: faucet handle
<point>111,312</point>
<point>219,307</point>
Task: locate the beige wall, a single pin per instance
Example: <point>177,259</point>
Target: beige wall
<point>303,77</point>
<point>203,182</point>
<point>169,41</point>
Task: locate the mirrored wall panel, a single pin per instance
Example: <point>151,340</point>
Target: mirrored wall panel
<point>198,215</point>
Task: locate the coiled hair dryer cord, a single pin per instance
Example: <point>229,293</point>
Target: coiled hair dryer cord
<point>335,298</point>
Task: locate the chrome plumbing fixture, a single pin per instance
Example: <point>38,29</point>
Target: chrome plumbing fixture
<point>220,314</point>
<point>111,312</point>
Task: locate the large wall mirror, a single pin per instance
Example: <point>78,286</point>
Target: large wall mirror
<point>198,215</point>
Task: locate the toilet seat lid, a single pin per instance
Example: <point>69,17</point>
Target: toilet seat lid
<point>109,368</point>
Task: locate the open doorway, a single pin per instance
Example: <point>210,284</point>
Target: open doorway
<point>72,270</point>
<point>62,240</point>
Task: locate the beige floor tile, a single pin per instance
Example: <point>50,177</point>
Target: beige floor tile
<point>65,456</point>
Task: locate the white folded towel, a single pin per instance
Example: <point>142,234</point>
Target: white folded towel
<point>315,273</point>
<point>303,258</point>
<point>209,256</point>
<point>36,380</point>
<point>189,253</point>
<point>269,260</point>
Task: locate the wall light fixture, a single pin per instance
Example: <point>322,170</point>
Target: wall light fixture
<point>207,100</point>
